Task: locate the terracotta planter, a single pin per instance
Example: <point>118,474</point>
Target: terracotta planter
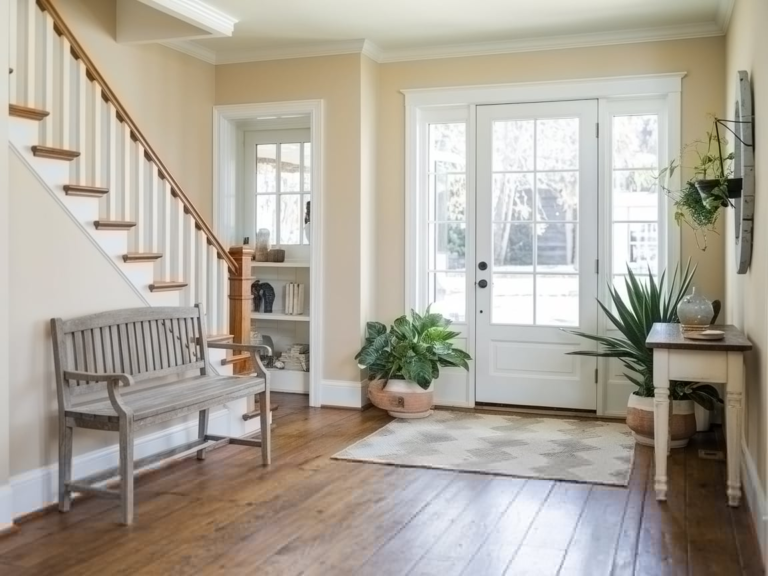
<point>640,421</point>
<point>401,398</point>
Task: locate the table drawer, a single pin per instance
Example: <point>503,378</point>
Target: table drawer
<point>697,366</point>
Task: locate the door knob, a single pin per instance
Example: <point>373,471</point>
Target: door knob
<point>483,283</point>
<point>482,266</point>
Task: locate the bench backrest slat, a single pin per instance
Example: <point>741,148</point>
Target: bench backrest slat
<point>143,342</point>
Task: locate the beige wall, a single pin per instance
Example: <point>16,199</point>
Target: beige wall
<point>702,59</point>
<point>747,49</point>
<point>5,457</point>
<point>167,93</point>
<point>337,81</point>
<point>57,271</point>
<point>369,101</point>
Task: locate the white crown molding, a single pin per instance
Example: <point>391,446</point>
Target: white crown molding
<point>724,13</point>
<point>683,32</point>
<point>333,48</point>
<point>192,49</point>
<point>305,50</point>
<point>196,13</point>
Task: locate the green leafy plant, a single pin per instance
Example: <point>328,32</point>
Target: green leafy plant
<point>691,208</point>
<point>645,304</point>
<point>412,349</point>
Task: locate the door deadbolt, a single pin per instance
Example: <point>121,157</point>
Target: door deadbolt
<point>483,266</point>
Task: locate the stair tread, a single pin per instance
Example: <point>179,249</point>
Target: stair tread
<point>167,285</point>
<point>20,111</point>
<point>114,224</point>
<point>54,153</point>
<point>141,256</point>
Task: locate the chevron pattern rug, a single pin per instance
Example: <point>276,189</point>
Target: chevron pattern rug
<point>577,450</point>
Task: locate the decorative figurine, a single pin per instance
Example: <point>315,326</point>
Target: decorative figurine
<point>268,295</point>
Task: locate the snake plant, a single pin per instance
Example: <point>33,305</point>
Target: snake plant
<point>634,316</point>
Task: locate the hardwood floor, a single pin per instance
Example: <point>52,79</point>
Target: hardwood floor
<point>310,515</point>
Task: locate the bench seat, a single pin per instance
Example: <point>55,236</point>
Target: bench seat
<point>167,401</point>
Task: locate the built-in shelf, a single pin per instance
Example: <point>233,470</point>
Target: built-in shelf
<point>281,317</point>
<point>288,264</point>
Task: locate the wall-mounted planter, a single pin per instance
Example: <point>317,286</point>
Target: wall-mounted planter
<point>707,189</point>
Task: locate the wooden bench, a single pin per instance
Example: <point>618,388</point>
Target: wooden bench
<point>99,358</point>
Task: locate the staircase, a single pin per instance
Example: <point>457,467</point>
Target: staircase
<point>72,132</point>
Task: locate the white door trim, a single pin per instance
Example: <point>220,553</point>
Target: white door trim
<point>225,180</point>
<point>418,101</point>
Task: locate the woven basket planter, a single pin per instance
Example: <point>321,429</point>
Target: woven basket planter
<point>402,399</point>
<point>640,421</point>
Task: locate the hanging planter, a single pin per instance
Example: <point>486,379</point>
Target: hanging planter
<point>717,188</point>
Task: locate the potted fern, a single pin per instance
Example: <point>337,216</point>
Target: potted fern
<point>404,360</point>
<point>634,316</point>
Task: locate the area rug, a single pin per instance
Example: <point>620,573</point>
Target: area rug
<point>577,450</point>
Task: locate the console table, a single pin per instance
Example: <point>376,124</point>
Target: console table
<point>711,361</point>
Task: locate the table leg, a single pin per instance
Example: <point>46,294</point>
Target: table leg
<point>734,391</point>
<point>661,409</point>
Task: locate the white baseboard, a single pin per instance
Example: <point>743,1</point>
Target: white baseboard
<point>755,495</point>
<point>344,394</point>
<point>37,489</point>
<point>6,507</point>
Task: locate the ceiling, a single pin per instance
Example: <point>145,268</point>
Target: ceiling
<point>408,29</point>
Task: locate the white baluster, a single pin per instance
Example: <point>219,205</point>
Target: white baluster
<point>189,261</point>
<point>177,246</point>
<point>48,37</point>
<point>163,226</point>
<point>82,123</point>
<point>96,148</point>
<point>13,52</point>
<point>201,278</point>
<point>140,168</point>
<point>66,92</point>
<point>127,173</point>
<point>113,200</point>
<point>213,291</point>
<point>222,275</point>
<point>30,52</point>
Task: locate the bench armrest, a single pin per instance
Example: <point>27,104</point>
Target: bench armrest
<point>253,349</point>
<point>113,387</point>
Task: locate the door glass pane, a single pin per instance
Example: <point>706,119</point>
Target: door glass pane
<point>512,298</point>
<point>447,147</point>
<point>636,141</point>
<point>557,247</point>
<point>447,293</point>
<point>557,300</point>
<point>636,244</point>
<point>447,246</point>
<point>290,167</point>
<point>557,194</point>
<point>635,195</point>
<point>512,247</point>
<point>557,144</point>
<point>266,168</point>
<point>512,197</point>
<point>291,217</point>
<point>513,145</point>
<point>448,197</point>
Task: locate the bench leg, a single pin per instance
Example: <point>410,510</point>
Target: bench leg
<point>266,433</point>
<point>65,467</point>
<point>126,471</point>
<point>202,430</point>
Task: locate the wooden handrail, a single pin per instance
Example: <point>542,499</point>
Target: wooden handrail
<point>78,52</point>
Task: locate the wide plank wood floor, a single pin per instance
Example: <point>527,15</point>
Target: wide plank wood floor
<point>310,515</point>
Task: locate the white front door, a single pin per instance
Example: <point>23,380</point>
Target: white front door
<point>536,253</point>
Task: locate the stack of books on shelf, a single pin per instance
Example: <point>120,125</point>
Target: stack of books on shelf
<point>294,299</point>
<point>297,358</point>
